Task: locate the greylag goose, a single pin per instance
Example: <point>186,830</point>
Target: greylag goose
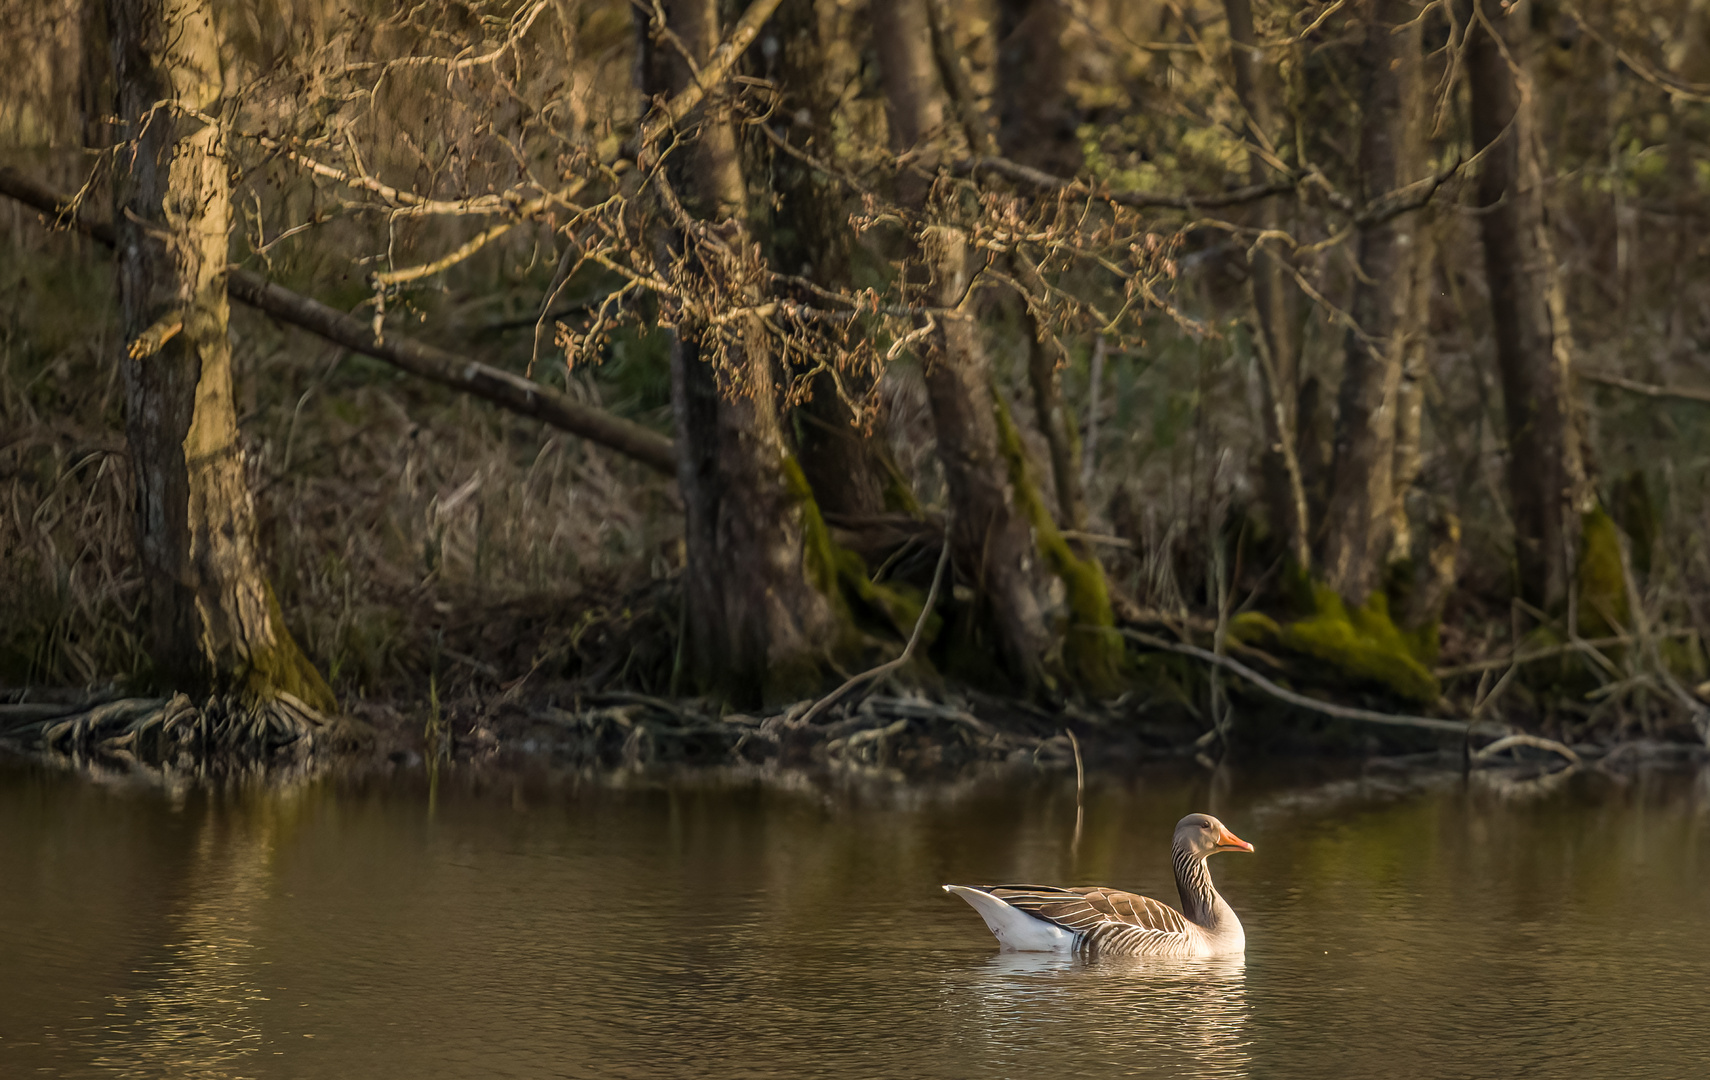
<point>1040,918</point>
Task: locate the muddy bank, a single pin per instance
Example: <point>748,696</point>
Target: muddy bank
<point>908,733</point>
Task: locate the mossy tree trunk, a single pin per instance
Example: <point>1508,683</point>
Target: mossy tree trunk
<point>810,236</point>
<point>1276,299</point>
<point>1546,468</point>
<point>1359,515</point>
<point>992,540</point>
<point>213,622</point>
<point>761,616</point>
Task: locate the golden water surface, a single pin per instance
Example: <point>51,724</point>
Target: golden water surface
<point>541,924</point>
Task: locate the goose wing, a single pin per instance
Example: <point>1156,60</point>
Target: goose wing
<point>1107,920</point>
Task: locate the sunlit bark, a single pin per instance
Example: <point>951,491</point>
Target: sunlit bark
<point>213,622</point>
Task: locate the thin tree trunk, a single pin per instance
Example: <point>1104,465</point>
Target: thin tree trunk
<point>1546,471</point>
<point>214,624</point>
<point>758,582</point>
<point>1358,515</point>
<point>1410,393</point>
<point>992,538</point>
<point>1037,119</point>
<point>1275,302</point>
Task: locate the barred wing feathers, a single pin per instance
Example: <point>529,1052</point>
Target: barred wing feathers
<point>1106,920</point>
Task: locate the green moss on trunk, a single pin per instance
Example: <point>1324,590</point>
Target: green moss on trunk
<point>283,666</point>
<point>840,575</point>
<point>1363,645</point>
<point>1601,583</point>
<point>1093,651</point>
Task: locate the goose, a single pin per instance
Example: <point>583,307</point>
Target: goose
<point>1041,918</point>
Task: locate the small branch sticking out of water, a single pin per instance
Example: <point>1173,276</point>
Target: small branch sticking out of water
<point>889,666</point>
<point>1080,789</point>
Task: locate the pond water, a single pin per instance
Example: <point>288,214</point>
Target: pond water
<point>526,924</point>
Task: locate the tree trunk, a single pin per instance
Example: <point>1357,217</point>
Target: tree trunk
<point>1037,117</point>
<point>1358,516</point>
<point>811,237</point>
<point>214,624</point>
<point>1036,126</point>
<point>1275,302</point>
<point>759,584</point>
<point>1546,471</point>
<point>992,539</point>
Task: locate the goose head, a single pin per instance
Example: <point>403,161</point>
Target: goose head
<point>1202,835</point>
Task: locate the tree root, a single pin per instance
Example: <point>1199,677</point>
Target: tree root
<point>165,729</point>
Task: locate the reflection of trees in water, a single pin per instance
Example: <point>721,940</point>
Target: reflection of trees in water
<point>1152,1016</point>
<point>198,1017</point>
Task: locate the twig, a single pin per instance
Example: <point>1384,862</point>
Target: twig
<point>908,650</point>
<point>712,73</point>
<point>1345,712</point>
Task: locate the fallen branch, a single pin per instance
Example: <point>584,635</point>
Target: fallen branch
<point>1548,651</point>
<point>1141,200</point>
<point>1345,712</point>
<point>889,666</point>
<point>1535,741</point>
<point>502,388</point>
<point>1646,389</point>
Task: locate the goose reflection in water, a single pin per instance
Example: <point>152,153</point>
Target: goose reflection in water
<point>1171,1017</point>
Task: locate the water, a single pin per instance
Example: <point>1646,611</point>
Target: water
<point>715,925</point>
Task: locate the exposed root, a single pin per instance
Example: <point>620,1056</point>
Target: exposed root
<point>167,729</point>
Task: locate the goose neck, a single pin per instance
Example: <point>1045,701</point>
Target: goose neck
<point>1193,881</point>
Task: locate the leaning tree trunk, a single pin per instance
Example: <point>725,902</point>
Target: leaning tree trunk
<point>1275,301</point>
<point>992,539</point>
<point>214,625</point>
<point>759,584</point>
<point>1386,312</point>
<point>1546,470</point>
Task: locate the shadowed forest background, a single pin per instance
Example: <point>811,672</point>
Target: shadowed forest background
<point>586,351</point>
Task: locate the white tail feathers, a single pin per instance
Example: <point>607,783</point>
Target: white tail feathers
<point>1015,929</point>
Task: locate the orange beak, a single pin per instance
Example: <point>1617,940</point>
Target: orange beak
<point>1231,841</point>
